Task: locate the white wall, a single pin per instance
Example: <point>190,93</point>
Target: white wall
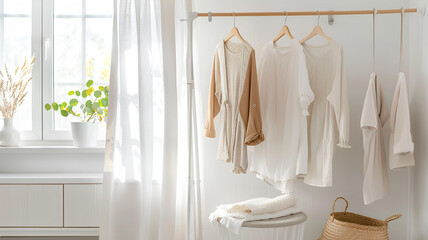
<point>354,33</point>
<point>418,101</point>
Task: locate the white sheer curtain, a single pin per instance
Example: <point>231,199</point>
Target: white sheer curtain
<point>144,187</point>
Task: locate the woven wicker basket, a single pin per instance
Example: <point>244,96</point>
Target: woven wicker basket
<point>351,226</point>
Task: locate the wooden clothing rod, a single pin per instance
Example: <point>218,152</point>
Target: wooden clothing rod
<point>307,13</point>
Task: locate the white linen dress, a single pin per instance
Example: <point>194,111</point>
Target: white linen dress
<point>285,95</point>
<point>400,144</point>
<point>374,116</point>
<point>328,122</point>
<point>234,94</point>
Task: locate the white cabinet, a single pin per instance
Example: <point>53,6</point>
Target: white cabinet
<point>82,205</point>
<point>31,205</point>
<point>41,205</point>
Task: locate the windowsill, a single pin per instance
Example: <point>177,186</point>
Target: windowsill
<point>51,178</point>
<point>52,147</point>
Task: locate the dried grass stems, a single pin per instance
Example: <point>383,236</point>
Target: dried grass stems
<point>13,88</point>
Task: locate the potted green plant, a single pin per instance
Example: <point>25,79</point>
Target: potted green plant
<point>90,106</point>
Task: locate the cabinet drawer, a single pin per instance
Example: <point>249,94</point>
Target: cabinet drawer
<point>82,205</point>
<point>31,205</point>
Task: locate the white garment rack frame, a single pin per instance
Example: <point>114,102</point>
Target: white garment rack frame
<point>193,167</point>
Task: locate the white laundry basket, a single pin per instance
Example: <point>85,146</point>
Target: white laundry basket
<point>283,228</point>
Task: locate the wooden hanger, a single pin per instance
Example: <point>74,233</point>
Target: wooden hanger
<point>316,31</point>
<point>234,32</point>
<point>284,30</point>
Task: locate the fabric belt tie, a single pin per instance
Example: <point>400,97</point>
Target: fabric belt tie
<point>226,107</point>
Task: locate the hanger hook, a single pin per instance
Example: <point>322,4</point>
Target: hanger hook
<point>318,21</point>
<point>374,15</point>
<point>286,16</point>
<point>402,11</point>
<point>234,18</point>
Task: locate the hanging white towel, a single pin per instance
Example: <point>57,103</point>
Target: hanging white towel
<point>400,144</point>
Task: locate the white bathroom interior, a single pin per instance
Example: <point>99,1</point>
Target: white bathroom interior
<point>132,59</point>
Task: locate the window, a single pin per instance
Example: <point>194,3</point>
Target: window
<point>81,33</point>
<point>71,40</point>
<point>16,43</point>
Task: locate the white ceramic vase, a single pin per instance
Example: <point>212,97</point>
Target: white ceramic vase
<point>9,136</point>
<point>84,134</point>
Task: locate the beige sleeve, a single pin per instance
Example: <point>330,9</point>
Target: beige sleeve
<point>249,106</point>
<point>213,101</point>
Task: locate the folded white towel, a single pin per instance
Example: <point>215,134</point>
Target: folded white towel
<point>257,206</point>
<point>234,221</point>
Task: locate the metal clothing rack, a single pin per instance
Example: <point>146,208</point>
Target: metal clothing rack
<point>193,167</point>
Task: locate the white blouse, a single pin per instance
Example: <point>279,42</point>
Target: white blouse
<point>328,122</point>
<point>373,118</point>
<point>285,95</point>
<point>401,143</point>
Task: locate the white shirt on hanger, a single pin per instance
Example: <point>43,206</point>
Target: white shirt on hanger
<point>285,95</point>
<point>373,118</point>
<point>401,143</point>
<point>328,122</point>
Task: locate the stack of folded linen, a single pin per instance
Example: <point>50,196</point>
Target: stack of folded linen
<point>232,216</point>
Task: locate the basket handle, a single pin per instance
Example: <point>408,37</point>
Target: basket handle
<point>346,208</point>
<point>392,218</point>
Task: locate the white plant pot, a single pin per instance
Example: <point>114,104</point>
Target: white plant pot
<point>84,134</point>
<point>9,136</point>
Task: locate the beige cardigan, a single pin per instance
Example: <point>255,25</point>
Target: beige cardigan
<point>245,128</point>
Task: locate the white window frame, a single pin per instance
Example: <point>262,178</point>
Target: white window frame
<point>36,48</point>
<point>49,132</point>
<point>48,94</point>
